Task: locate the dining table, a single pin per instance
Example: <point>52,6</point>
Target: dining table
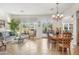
<point>55,37</point>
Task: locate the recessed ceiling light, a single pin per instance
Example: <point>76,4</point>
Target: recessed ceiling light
<point>51,9</point>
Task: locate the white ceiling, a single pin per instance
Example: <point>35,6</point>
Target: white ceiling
<point>33,8</point>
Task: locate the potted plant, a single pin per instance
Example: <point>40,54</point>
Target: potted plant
<point>14,25</point>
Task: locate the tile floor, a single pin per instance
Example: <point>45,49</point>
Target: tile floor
<point>34,47</point>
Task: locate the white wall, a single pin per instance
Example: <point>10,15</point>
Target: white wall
<point>75,30</point>
<point>3,16</point>
<point>73,11</point>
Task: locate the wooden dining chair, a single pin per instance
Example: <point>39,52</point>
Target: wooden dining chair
<point>2,45</point>
<point>51,41</point>
<point>65,42</point>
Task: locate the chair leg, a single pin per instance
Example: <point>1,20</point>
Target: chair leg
<point>0,48</point>
<point>69,51</point>
<point>62,50</point>
<point>48,43</point>
<point>57,47</point>
<point>5,47</point>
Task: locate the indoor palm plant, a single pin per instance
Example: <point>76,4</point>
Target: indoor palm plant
<point>14,25</point>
